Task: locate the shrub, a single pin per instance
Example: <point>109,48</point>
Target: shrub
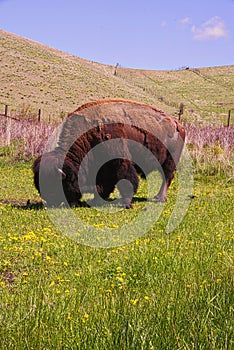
<point>23,139</point>
<point>211,148</point>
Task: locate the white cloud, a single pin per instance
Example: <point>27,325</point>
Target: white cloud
<point>214,28</point>
<point>164,24</point>
<point>185,21</point>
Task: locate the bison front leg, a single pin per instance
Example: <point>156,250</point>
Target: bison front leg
<point>73,199</point>
<point>167,173</point>
<point>102,192</point>
<point>105,182</point>
<point>127,182</point>
<point>162,194</point>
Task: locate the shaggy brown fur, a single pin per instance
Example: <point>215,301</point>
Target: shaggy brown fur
<point>105,120</point>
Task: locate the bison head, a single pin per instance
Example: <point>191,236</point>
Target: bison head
<point>56,180</point>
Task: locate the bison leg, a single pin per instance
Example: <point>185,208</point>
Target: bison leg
<point>168,169</point>
<point>162,194</point>
<point>115,172</point>
<point>102,192</point>
<point>73,199</point>
<point>127,182</point>
<point>105,181</point>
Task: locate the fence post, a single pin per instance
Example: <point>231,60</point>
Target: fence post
<point>181,111</point>
<point>8,131</point>
<point>229,118</point>
<point>39,115</point>
<point>116,67</point>
<point>6,110</point>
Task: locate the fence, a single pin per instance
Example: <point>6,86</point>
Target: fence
<point>5,114</point>
<point>229,117</point>
<point>179,113</point>
<point>23,138</point>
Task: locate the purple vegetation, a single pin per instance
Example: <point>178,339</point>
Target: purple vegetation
<point>26,138</point>
<point>210,147</point>
<point>210,136</point>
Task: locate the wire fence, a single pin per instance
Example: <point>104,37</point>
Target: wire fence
<point>38,116</point>
<point>6,115</point>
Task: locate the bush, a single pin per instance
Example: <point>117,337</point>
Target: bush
<point>23,139</point>
<point>211,148</point>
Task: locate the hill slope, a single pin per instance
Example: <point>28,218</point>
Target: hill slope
<point>38,76</point>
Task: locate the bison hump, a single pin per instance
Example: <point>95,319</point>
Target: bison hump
<point>100,112</point>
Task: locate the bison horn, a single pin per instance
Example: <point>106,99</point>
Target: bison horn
<point>62,172</point>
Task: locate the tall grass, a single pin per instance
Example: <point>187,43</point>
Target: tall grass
<point>23,139</point>
<point>211,148</point>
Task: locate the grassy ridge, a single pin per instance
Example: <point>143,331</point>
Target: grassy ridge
<point>41,77</point>
<point>159,292</point>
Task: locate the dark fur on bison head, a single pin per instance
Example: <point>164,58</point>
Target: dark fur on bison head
<point>50,172</point>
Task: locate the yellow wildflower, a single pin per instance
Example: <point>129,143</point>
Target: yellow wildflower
<point>85,317</point>
<point>120,279</point>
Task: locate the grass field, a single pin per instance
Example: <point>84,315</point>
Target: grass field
<point>159,292</point>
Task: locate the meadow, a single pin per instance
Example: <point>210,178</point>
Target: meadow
<point>161,290</point>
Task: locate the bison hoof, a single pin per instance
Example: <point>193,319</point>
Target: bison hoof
<point>160,199</point>
<point>76,204</point>
<point>127,204</point>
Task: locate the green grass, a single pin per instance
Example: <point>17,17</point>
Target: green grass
<point>159,292</point>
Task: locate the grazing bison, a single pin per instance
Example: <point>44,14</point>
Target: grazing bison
<point>119,138</point>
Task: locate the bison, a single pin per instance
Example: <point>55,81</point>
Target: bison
<point>104,144</point>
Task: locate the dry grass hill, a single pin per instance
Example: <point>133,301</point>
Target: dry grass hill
<point>36,76</point>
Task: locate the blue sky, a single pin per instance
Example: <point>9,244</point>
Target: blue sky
<point>145,34</point>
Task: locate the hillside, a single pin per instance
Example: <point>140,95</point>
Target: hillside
<point>37,76</point>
